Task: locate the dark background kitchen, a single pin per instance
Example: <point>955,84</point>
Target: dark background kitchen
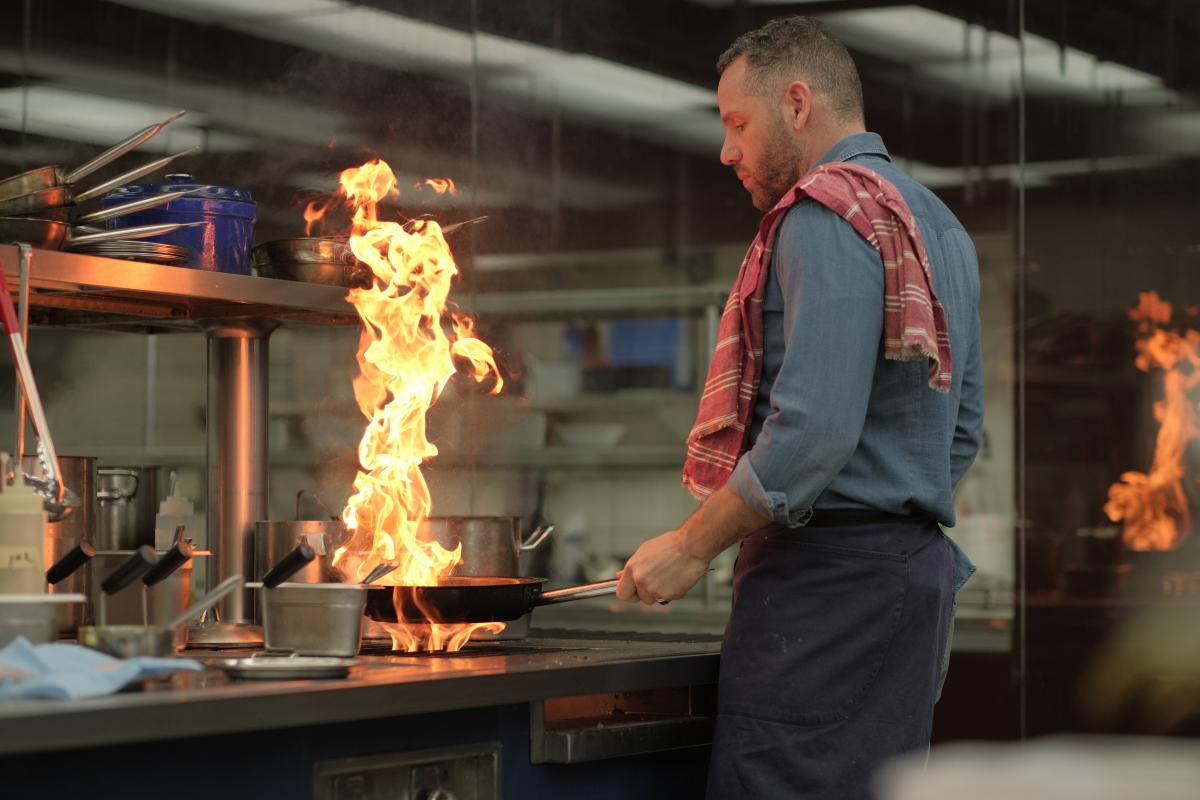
<point>587,132</point>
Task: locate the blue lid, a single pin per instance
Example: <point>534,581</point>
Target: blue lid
<point>232,200</point>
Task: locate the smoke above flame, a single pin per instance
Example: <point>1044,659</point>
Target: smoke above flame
<point>411,345</point>
<point>1154,505</point>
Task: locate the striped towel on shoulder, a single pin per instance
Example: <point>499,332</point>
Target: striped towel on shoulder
<point>914,322</point>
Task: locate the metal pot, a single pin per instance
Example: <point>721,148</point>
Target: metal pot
<point>276,538</point>
<point>491,546</point>
<point>127,502</point>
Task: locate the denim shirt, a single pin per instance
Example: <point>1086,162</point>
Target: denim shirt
<point>836,426</point>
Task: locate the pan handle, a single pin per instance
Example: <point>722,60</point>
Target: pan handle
<point>583,592</point>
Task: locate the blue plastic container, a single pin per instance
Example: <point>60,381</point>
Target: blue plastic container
<point>222,245</point>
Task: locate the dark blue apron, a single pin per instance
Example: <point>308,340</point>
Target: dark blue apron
<point>833,656</point>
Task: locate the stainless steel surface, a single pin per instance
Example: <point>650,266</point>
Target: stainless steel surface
<point>119,149</point>
<point>382,687</point>
<point>626,736</point>
<point>131,175</point>
<point>78,472</point>
<point>31,181</point>
<point>237,450</point>
<point>276,538</point>
<point>285,668</point>
<point>182,294</point>
<point>34,616</point>
<point>314,619</point>
<point>213,634</point>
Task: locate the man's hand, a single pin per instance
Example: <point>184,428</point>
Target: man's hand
<point>661,569</point>
<point>666,566</point>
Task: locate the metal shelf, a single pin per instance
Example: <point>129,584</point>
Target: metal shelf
<point>80,290</point>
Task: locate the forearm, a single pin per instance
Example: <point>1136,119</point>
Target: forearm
<point>720,521</point>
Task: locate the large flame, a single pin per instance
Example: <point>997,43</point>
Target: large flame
<point>1154,505</point>
<point>407,353</point>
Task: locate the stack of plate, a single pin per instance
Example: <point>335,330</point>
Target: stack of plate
<point>134,250</point>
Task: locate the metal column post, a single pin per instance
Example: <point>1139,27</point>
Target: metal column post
<point>237,451</point>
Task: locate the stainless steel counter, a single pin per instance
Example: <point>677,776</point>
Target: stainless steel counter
<point>548,664</point>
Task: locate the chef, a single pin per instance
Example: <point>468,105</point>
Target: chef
<point>843,405</point>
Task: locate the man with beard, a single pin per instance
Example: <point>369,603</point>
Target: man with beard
<point>843,405</point>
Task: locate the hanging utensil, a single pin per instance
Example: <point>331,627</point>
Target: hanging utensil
<point>56,497</point>
<point>51,176</point>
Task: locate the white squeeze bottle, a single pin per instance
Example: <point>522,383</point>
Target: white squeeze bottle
<point>22,535</point>
<point>174,511</point>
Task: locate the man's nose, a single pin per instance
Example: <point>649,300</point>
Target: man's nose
<point>730,154</point>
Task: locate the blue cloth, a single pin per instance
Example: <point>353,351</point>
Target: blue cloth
<point>69,671</point>
<point>836,426</point>
<point>832,659</point>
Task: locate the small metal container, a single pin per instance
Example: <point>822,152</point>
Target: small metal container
<point>34,616</point>
<point>314,619</point>
<point>129,641</point>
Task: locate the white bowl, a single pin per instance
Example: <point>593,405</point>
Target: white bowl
<point>590,434</point>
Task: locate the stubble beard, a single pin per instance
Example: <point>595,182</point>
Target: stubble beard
<point>780,170</point>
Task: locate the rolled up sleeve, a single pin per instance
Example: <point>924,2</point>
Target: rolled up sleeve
<point>832,285</point>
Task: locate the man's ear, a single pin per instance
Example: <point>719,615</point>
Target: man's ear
<point>798,100</point>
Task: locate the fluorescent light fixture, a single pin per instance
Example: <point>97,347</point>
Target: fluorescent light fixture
<point>954,52</point>
<point>642,103</point>
<point>83,117</point>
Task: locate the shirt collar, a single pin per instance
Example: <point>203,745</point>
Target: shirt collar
<point>856,144</point>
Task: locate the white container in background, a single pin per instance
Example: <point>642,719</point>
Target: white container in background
<point>22,539</point>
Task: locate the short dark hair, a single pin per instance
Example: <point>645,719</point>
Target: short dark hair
<point>791,48</point>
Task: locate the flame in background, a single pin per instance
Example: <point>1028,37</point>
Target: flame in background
<point>407,353</point>
<point>1154,505</point>
<point>439,185</point>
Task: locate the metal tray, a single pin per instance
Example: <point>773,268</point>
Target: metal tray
<point>283,668</point>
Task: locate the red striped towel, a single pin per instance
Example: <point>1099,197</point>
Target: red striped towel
<point>914,323</point>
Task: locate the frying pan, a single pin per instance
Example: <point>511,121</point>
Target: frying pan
<point>49,177</point>
<point>473,599</point>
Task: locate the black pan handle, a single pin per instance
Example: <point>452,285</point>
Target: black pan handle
<point>170,561</point>
<point>583,592</point>
<point>289,565</point>
<point>66,566</point>
<point>130,570</point>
